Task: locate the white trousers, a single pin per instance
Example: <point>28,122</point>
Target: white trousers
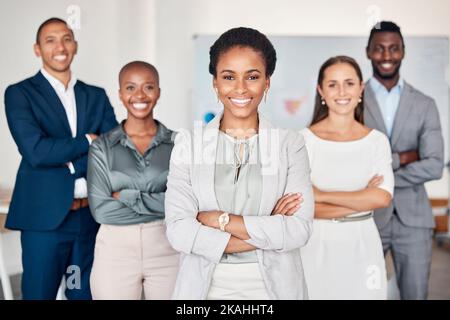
<point>237,281</point>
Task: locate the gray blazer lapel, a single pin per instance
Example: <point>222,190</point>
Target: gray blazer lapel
<point>403,112</point>
<point>269,151</point>
<point>373,110</point>
<point>204,160</point>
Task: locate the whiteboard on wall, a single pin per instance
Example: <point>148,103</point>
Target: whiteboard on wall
<point>291,97</point>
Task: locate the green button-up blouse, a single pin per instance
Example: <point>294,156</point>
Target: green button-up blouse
<point>114,164</point>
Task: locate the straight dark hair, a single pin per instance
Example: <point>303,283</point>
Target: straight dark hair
<point>320,110</point>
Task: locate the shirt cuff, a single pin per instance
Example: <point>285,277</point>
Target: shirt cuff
<point>89,139</point>
<point>71,167</point>
<point>80,190</point>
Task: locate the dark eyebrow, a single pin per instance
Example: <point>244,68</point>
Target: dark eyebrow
<point>249,71</point>
<point>349,79</point>
<point>253,70</point>
<point>133,83</point>
<point>68,34</point>
<point>387,45</point>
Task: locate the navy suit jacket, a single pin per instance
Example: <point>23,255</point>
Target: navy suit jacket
<point>44,187</point>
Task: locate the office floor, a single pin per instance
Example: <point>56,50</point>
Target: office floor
<point>439,279</point>
<point>439,288</point>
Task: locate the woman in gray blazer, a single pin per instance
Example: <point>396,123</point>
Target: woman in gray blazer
<point>235,187</point>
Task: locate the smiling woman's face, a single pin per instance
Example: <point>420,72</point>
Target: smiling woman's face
<point>139,92</point>
<point>341,88</point>
<point>240,82</point>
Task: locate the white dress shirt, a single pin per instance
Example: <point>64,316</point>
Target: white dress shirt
<point>67,98</point>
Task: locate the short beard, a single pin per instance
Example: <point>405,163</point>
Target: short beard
<point>386,76</point>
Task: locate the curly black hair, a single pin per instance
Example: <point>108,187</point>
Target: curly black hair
<point>243,37</point>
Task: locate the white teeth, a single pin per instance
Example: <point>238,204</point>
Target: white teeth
<point>60,57</point>
<point>240,102</point>
<point>343,101</point>
<point>386,65</point>
<point>139,106</point>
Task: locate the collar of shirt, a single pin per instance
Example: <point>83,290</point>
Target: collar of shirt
<point>118,134</point>
<point>377,87</point>
<point>58,85</point>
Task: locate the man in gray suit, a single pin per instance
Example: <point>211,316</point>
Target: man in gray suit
<point>411,121</point>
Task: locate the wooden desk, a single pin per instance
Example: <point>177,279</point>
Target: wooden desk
<point>3,212</point>
<point>2,223</point>
<point>439,203</point>
<point>440,207</point>
<point>5,198</point>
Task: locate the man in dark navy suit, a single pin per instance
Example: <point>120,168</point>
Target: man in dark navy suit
<point>53,118</point>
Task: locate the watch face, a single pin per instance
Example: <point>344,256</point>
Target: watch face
<point>224,218</point>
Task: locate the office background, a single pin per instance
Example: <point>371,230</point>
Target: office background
<point>113,32</point>
<point>291,98</point>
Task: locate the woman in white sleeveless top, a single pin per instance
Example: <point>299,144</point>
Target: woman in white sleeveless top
<point>352,175</point>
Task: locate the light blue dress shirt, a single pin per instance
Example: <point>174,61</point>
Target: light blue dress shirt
<point>388,101</point>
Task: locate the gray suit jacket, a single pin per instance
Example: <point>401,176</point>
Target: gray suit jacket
<point>416,127</point>
<point>190,189</point>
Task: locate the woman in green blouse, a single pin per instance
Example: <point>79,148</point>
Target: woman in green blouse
<point>127,176</point>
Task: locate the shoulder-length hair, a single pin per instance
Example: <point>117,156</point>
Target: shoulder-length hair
<point>320,110</point>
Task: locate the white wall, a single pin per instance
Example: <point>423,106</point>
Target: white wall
<point>114,32</point>
<point>178,21</point>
